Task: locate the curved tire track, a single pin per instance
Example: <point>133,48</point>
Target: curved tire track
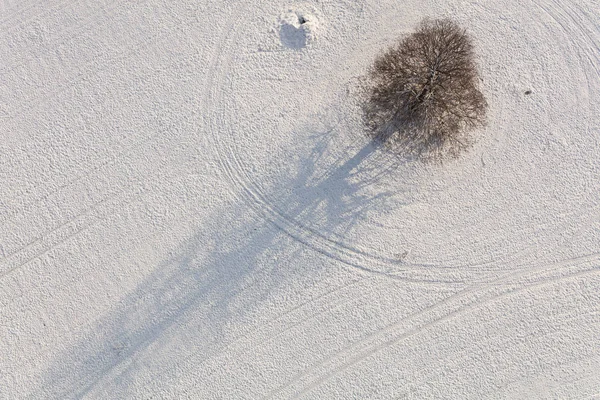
<point>253,196</point>
<point>66,230</point>
<point>329,244</point>
<point>374,343</point>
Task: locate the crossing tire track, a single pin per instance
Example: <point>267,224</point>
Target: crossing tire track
<point>484,293</point>
<point>90,69</point>
<point>280,324</point>
<point>58,5</point>
<point>137,146</point>
<point>66,34</point>
<point>65,232</point>
<point>425,373</point>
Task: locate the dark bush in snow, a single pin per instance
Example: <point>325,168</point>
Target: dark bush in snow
<point>422,95</point>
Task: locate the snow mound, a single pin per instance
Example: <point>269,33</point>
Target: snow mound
<point>298,29</point>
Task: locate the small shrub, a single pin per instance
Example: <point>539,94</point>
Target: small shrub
<point>422,95</point>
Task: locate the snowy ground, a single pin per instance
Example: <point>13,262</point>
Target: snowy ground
<point>189,208</point>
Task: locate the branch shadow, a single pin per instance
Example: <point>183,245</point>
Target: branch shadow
<point>189,301</point>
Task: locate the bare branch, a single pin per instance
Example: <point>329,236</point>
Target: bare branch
<point>424,92</point>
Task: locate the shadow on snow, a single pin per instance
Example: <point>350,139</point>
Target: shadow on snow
<point>186,303</point>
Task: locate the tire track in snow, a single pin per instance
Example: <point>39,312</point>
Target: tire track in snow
<point>251,194</point>
<point>43,243</point>
<point>328,303</point>
<point>224,36</point>
<point>279,325</point>
<point>212,70</point>
<point>108,160</point>
<point>66,231</point>
<point>68,33</point>
<point>238,173</point>
<point>28,7</point>
<point>582,32</point>
<point>108,205</point>
<point>91,69</point>
<point>328,244</point>
<point>424,374</point>
<point>99,171</point>
<point>138,46</point>
<point>575,29</point>
<point>254,196</point>
<point>569,16</point>
<point>483,293</point>
<point>313,239</point>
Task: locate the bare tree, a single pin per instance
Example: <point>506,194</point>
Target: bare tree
<point>422,95</point>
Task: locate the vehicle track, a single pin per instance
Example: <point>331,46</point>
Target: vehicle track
<point>279,325</point>
<point>52,234</point>
<point>327,243</point>
<point>138,46</point>
<point>66,231</point>
<point>250,194</point>
<point>484,290</point>
<point>569,16</point>
<point>68,33</point>
<point>91,68</point>
<point>208,75</point>
<point>372,344</point>
<point>256,197</point>
<point>118,195</point>
<point>465,358</point>
<point>332,246</point>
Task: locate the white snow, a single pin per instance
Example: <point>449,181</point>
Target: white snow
<point>189,207</point>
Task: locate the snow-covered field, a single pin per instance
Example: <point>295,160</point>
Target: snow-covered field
<point>189,207</point>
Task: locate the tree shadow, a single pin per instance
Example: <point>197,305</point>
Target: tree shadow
<point>330,192</point>
<point>190,300</point>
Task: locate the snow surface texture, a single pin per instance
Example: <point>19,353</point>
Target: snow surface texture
<point>189,207</point>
